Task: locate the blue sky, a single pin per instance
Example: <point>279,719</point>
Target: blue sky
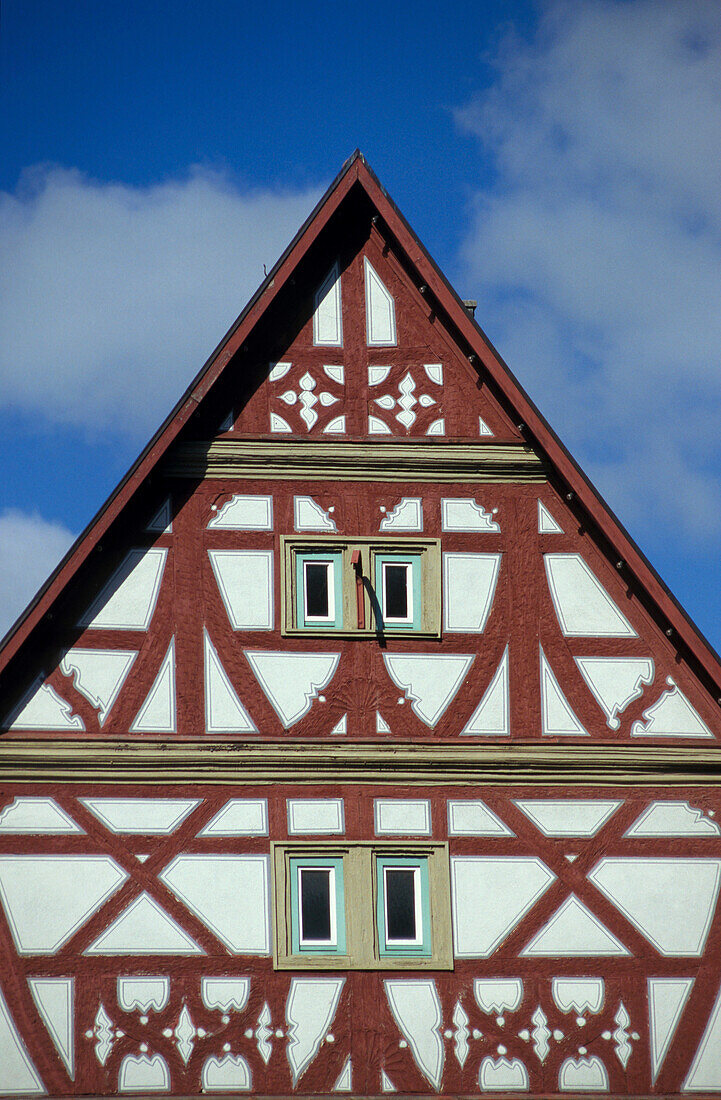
<point>559,160</point>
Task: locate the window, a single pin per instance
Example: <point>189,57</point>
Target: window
<point>317,906</point>
<point>318,584</point>
<point>362,906</point>
<point>403,915</point>
<point>398,590</point>
<point>361,587</point>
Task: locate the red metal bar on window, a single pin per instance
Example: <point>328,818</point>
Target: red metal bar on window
<point>357,563</point>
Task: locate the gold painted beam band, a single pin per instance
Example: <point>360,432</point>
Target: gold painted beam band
<point>419,461</point>
<point>161,762</point>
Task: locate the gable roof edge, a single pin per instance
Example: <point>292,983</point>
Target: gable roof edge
<point>536,429</point>
<point>179,415</point>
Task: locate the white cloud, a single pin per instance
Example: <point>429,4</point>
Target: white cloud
<point>30,547</point>
<point>597,249</point>
<point>113,296</point>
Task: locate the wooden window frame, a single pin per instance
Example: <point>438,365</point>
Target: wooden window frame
<point>334,864</point>
<point>362,601</point>
<point>334,561</point>
<point>361,863</point>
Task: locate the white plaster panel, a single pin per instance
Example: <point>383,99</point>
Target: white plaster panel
<point>463,514</point>
<point>672,819</point>
<point>309,1012</point>
<point>143,1073</point>
<point>380,310</point>
<point>671,716</point>
<point>36,815</point>
<point>239,817</point>
<point>291,681</point>
<point>18,1075</point>
<point>616,682</point>
<point>245,582</point>
<point>41,708</point>
<point>492,716</point>
<point>386,1083</point>
<point>502,1075</point>
<point>583,1075</point>
<point>416,1009</point>
<point>547,525</point>
<point>224,712</point>
<point>583,607</point>
<point>377,374</point>
<point>55,1001</point>
<point>430,681</point>
<point>230,894</point>
<point>99,674</point>
<point>128,600</point>
<point>157,714</point>
<point>572,931</point>
<point>323,816</point>
<point>508,886</point>
<point>469,585</point>
<point>162,522</point>
<point>229,1073</point>
<point>245,512</point>
<point>309,516</point>
<point>568,816</point>
<point>471,817</point>
<point>670,900</point>
<point>278,424</point>
<point>376,426</point>
<point>705,1072</point>
<point>406,516</point>
<point>667,999</point>
<point>144,928</point>
<point>143,993</point>
<point>327,311</point>
<point>146,816</point>
<point>47,898</point>
<point>402,817</point>
<point>557,717</point>
<point>278,371</point>
<point>225,993</point>
<point>495,996</point>
<point>344,1080</point>
<point>578,995</point>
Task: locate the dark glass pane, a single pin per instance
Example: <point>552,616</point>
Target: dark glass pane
<point>396,594</point>
<point>315,904</point>
<point>316,589</point>
<point>401,904</point>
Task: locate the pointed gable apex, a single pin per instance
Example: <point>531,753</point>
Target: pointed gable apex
<point>357,190</point>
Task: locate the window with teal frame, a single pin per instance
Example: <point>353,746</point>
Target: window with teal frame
<point>403,908</point>
<point>317,906</point>
<point>398,591</point>
<point>319,590</point>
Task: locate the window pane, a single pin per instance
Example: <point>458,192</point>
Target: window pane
<point>400,904</point>
<point>316,589</point>
<point>396,591</point>
<point>315,903</point>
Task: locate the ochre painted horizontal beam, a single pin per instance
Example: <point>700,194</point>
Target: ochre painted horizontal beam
<point>353,762</point>
<point>369,461</point>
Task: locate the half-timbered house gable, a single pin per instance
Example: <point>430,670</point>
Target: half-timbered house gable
<point>354,747</point>
<point>356,418</point>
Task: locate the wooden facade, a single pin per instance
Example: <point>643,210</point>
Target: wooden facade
<point>355,747</point>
